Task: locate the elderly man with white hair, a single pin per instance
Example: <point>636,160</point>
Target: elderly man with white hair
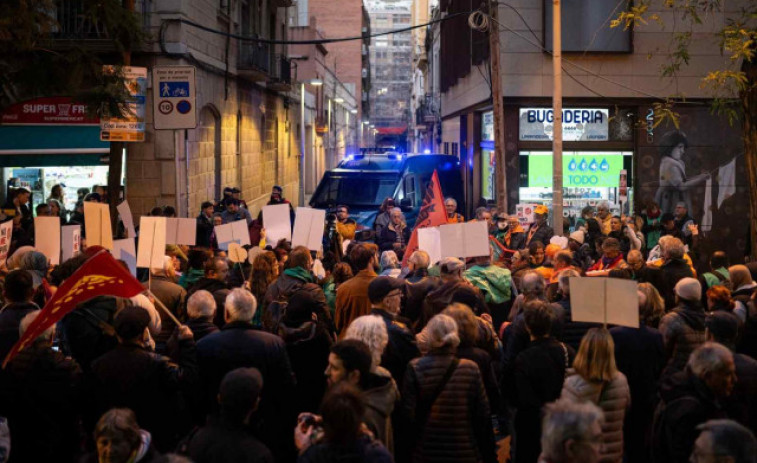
<point>571,432</point>
<point>689,399</point>
<point>240,345</point>
<point>201,308</point>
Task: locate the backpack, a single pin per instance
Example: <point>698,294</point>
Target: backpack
<point>725,282</point>
<point>276,310</point>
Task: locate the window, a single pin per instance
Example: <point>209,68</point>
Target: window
<point>586,27</point>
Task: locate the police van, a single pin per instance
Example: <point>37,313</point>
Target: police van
<point>363,181</point>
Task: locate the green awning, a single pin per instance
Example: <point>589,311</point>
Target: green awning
<point>51,145</point>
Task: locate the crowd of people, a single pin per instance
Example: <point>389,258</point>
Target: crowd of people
<point>347,355</point>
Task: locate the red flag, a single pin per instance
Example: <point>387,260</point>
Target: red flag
<point>432,214</point>
<point>99,276</point>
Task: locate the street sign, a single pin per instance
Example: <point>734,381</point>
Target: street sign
<point>173,99</point>
<point>130,128</point>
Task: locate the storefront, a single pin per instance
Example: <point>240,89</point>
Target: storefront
<point>50,141</point>
<point>597,147</point>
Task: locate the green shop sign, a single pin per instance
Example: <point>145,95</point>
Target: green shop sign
<point>580,170</point>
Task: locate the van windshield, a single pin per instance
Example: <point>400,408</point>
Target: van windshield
<point>358,189</point>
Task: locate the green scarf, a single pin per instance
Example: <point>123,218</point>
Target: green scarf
<point>492,280</point>
<point>299,273</point>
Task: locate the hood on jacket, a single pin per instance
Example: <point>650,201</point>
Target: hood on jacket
<point>684,384</point>
<point>297,334</point>
<point>692,313</point>
<point>381,393</point>
<point>492,280</point>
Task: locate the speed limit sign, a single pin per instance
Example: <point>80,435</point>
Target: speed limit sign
<point>165,107</point>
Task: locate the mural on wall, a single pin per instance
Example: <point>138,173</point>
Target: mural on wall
<point>699,163</point>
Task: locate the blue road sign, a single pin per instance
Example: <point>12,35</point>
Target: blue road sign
<point>174,89</point>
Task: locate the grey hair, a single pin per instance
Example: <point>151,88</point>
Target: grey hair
<point>397,209</point>
<point>450,199</point>
<point>664,242</point>
<point>442,331</point>
<point>533,284</point>
<point>603,205</point>
<point>389,260</point>
<point>201,304</point>
<point>563,280</point>
<point>731,439</point>
<point>674,249</point>
<point>371,329</point>
<point>565,420</point>
<point>451,266</point>
<point>28,319</point>
<point>708,358</point>
<point>480,211</point>
<point>240,305</point>
<point>420,259</point>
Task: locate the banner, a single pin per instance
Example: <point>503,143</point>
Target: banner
<point>99,276</point>
<point>432,214</point>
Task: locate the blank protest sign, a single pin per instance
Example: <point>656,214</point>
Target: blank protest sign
<point>463,240</point>
<point>152,242</point>
<point>47,237</point>
<point>277,223</point>
<point>308,228</point>
<point>70,241</point>
<point>181,231</point>
<point>236,232</point>
<point>125,250</point>
<point>429,240</point>
<point>604,300</point>
<point>97,225</point>
<point>127,218</point>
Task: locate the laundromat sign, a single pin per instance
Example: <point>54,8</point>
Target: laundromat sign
<point>578,124</point>
<point>585,170</point>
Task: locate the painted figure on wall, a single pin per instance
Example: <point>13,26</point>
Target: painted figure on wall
<point>675,186</point>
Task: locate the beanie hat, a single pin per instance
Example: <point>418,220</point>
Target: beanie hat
<point>689,289</point>
<point>130,322</point>
<point>578,235</point>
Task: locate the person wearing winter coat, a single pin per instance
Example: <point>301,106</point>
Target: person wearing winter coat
<point>572,332</point>
<point>445,402</point>
<point>214,282</point>
<point>495,283</point>
<point>640,355</point>
<point>418,285</point>
<point>683,328</point>
<point>452,282</point>
<point>688,399</point>
<point>201,308</point>
<point>595,378</point>
<point>17,292</point>
<point>308,343</point>
<point>119,438</point>
<point>539,374</point>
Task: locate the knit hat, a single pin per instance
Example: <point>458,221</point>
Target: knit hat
<point>381,286</point>
<point>578,235</point>
<point>131,322</point>
<point>689,289</point>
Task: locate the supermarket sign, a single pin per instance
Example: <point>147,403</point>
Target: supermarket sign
<point>583,170</point>
<point>578,124</point>
<point>55,110</point>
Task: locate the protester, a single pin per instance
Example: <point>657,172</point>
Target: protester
<point>514,237</point>
<point>581,250</point>
<point>641,272</point>
<point>450,415</point>
<point>352,299</point>
<point>690,398</point>
<point>384,216</point>
<point>611,259</point>
<point>195,266</point>
<point>214,281</point>
<point>418,284</point>
<point>495,284</point>
<point>604,218</point>
<point>340,273</point>
<point>265,270</point>
<point>595,377</point>
<point>119,439</point>
<point>571,433</point>
<point>396,234</point>
<point>684,222</point>
<point>640,355</point>
<point>539,373</point>
<point>718,275</point>
<point>201,310</point>
<point>451,272</point>
<point>572,332</point>
<point>390,264</point>
<point>719,299</point>
<point>450,206</point>
<point>724,440</point>
<point>17,294</point>
<point>345,225</point>
<point>651,224</point>
<point>235,212</point>
<point>683,328</point>
<point>204,225</point>
<point>674,268</point>
<point>226,438</point>
<point>162,286</point>
<point>539,230</point>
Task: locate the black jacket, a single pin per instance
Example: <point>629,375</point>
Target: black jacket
<point>741,405</point>
<point>238,345</point>
<point>204,230</point>
<point>149,384</point>
<point>538,379</point>
<point>286,285</point>
<point>308,346</point>
<point>401,347</point>
<point>222,441</point>
<point>686,402</point>
<point>640,355</point>
<point>673,271</point>
<point>573,332</point>
<point>417,286</point>
<point>10,321</point>
<point>201,327</point>
<point>543,234</point>
<point>41,395</point>
<point>87,330</point>
<point>364,450</point>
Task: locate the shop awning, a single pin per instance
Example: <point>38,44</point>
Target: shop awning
<point>51,145</point>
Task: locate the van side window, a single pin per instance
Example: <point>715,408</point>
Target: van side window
<point>410,189</point>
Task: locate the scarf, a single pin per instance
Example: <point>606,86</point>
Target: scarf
<point>299,273</point>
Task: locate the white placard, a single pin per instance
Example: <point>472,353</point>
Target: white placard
<point>470,239</point>
<point>97,225</point>
<point>604,300</point>
<point>277,223</point>
<point>181,231</point>
<point>47,237</point>
<point>124,250</point>
<point>430,240</point>
<point>6,233</point>
<point>127,218</point>
<point>308,228</point>
<point>236,232</point>
<point>152,242</point>
<point>525,213</point>
<point>70,241</point>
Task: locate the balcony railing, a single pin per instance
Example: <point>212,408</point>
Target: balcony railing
<point>281,74</point>
<point>73,21</point>
<point>427,111</point>
<point>254,56</point>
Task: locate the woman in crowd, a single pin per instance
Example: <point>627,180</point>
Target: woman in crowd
<point>595,377</point>
<point>719,298</point>
<point>653,306</point>
<point>265,270</point>
<point>395,235</point>
<point>341,273</point>
<point>390,265</point>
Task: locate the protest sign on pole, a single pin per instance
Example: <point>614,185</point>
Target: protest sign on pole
<point>47,237</point>
<point>97,225</point>
<point>70,241</point>
<point>430,241</point>
<point>470,239</point>
<point>308,228</point>
<point>604,300</point>
<point>6,232</point>
<point>125,251</point>
<point>125,212</point>
<point>234,232</point>
<point>277,223</point>
<point>152,242</point>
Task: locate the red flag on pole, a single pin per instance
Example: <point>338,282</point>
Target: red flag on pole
<point>99,276</point>
<point>432,214</point>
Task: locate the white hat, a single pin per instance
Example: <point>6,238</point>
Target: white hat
<point>689,289</point>
<point>578,235</point>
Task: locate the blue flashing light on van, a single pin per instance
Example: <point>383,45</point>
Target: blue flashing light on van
<point>363,181</point>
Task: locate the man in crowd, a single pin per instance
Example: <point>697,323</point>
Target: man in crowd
<point>214,282</point>
<point>571,432</point>
<point>201,309</point>
<point>418,284</point>
<point>684,222</point>
<point>641,272</point>
<point>17,292</point>
<point>540,230</point>
<point>163,287</point>
<point>345,225</point>
<point>674,268</point>
<point>352,299</point>
<point>718,275</point>
<point>724,441</point>
<point>604,217</point>
<point>204,225</point>
<point>235,212</point>
<point>450,205</point>
<point>683,327</point>
<point>690,398</point>
<point>611,259</point>
<point>385,294</point>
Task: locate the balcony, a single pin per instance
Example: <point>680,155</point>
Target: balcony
<point>427,111</point>
<point>74,23</point>
<point>254,61</point>
<point>281,77</point>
